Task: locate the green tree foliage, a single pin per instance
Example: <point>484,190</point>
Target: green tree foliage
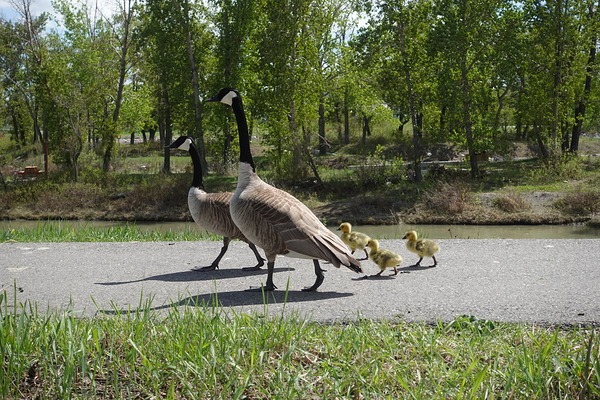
<point>475,74</point>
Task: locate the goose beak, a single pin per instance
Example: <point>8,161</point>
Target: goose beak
<point>212,99</point>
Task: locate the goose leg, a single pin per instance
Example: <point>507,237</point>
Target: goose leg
<point>269,286</point>
<point>215,263</point>
<point>320,278</point>
<point>261,261</point>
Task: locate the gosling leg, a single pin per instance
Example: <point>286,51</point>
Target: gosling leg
<point>366,256</point>
<point>434,262</point>
<point>418,264</point>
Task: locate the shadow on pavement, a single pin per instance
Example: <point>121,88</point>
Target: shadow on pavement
<point>242,298</point>
<point>193,276</point>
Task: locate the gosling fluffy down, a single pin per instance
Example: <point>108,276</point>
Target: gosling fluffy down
<point>421,247</point>
<point>354,240</point>
<point>383,258</point>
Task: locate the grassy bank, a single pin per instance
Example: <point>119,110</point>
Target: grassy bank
<point>55,231</point>
<point>202,352</point>
<point>362,184</point>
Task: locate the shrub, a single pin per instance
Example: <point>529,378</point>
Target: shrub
<point>70,196</point>
<point>511,202</point>
<point>449,198</point>
<point>579,203</point>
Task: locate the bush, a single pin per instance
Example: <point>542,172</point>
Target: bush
<point>579,203</point>
<point>449,198</point>
<point>70,196</point>
<point>511,203</point>
<point>377,169</point>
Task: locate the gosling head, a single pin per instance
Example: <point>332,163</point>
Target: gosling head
<point>225,96</point>
<point>373,244</point>
<point>345,227</point>
<point>182,143</point>
<point>410,235</point>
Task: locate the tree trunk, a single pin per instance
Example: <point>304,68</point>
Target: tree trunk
<point>366,128</point>
<point>196,88</point>
<point>346,118</point>
<point>467,123</point>
<point>581,106</point>
<point>168,132</point>
<point>111,135</point>
<point>322,139</point>
<point>540,141</point>
<point>414,115</point>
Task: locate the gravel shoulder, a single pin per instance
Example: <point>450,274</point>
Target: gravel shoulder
<point>533,281</point>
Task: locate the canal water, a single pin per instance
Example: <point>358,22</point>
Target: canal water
<point>377,231</point>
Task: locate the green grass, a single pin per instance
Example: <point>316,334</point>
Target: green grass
<point>55,231</point>
<point>204,352</point>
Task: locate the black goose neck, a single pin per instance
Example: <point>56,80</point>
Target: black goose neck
<point>197,179</point>
<point>244,136</point>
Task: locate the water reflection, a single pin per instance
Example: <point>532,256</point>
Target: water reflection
<point>375,231</point>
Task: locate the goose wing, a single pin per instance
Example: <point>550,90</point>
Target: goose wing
<point>282,224</point>
<point>211,212</point>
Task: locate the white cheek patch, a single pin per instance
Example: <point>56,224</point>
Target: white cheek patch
<point>228,98</point>
<point>186,145</point>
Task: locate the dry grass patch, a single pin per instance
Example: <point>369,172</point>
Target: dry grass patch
<point>449,198</point>
<point>511,202</point>
<point>579,203</point>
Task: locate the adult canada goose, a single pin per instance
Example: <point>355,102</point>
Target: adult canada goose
<point>354,240</point>
<point>275,220</point>
<point>421,247</point>
<point>210,211</point>
<point>383,258</point>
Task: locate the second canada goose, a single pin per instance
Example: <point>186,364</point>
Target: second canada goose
<point>383,258</point>
<point>421,247</point>
<point>354,240</point>
<point>210,211</point>
<point>275,220</point>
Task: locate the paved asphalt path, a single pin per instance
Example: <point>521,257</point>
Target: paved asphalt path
<point>533,281</point>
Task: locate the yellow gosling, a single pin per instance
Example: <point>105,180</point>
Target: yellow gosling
<point>383,258</point>
<point>421,247</point>
<point>354,240</point>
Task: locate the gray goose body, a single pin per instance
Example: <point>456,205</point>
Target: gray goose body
<point>275,220</point>
<point>210,211</point>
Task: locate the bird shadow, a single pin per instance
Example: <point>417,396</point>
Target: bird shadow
<point>375,277</point>
<point>243,298</point>
<point>196,276</point>
<point>414,268</point>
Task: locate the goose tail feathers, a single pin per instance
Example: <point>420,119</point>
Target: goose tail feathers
<point>355,266</point>
<point>336,252</point>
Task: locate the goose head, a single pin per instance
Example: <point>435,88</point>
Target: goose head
<point>182,143</point>
<point>233,99</point>
<point>345,227</point>
<point>410,235</point>
<point>225,96</point>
